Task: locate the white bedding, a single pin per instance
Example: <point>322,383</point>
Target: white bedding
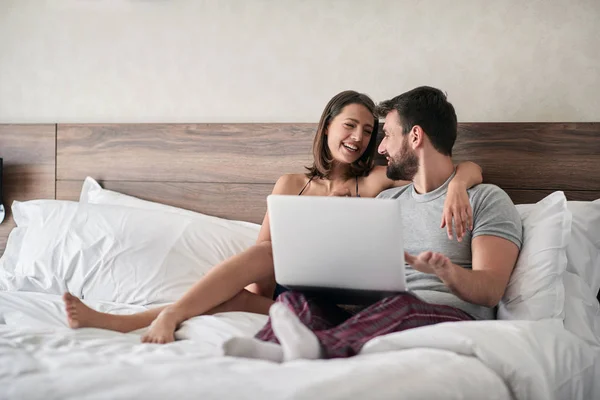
<point>41,358</point>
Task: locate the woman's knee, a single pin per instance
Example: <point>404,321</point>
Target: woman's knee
<point>265,249</point>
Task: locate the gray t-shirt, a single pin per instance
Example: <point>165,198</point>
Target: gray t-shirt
<point>493,214</point>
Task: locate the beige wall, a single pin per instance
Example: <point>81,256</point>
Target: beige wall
<point>269,61</point>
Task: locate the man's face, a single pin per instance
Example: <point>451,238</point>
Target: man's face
<point>403,162</point>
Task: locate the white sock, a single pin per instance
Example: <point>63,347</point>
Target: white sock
<point>253,348</point>
<point>297,341</point>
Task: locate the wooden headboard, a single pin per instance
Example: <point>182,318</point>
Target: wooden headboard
<point>227,170</point>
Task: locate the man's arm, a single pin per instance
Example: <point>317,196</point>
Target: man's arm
<point>493,261</point>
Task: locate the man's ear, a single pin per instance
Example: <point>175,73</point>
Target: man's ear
<point>417,137</point>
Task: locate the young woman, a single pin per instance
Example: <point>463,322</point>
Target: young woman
<point>344,151</point>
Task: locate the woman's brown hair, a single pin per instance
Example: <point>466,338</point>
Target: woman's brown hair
<point>322,156</point>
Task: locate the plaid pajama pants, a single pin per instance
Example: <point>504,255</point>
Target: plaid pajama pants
<point>342,334</point>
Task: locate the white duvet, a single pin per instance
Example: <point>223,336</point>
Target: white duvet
<point>41,358</point>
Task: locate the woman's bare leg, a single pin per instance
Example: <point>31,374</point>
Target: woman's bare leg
<point>244,301</point>
<point>221,284</point>
<point>81,316</point>
<point>162,330</point>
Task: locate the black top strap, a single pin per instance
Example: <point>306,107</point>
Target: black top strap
<point>305,186</point>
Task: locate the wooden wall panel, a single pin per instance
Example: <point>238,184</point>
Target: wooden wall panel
<point>247,153</point>
<point>513,155</point>
<point>548,156</point>
<point>29,171</point>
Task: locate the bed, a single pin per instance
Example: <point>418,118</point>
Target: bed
<point>221,174</point>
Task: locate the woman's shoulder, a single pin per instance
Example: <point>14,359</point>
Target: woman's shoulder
<point>290,184</point>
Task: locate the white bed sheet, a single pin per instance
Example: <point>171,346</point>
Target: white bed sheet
<point>41,358</point>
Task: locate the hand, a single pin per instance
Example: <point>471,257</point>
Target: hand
<point>430,263</point>
<point>457,207</point>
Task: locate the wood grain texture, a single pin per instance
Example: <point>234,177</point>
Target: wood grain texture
<point>542,156</point>
<point>28,152</point>
<point>248,153</point>
<point>238,201</point>
<point>534,156</point>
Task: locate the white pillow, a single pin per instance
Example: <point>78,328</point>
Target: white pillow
<point>535,289</point>
<point>9,258</point>
<point>583,249</point>
<point>92,192</point>
<point>115,253</point>
<point>582,310</point>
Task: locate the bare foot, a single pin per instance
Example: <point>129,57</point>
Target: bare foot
<point>162,329</point>
<point>81,316</point>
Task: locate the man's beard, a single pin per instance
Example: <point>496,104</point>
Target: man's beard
<point>405,166</point>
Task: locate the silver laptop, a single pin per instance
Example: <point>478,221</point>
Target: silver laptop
<point>345,248</point>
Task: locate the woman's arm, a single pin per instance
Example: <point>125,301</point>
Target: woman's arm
<point>468,174</point>
<point>287,184</point>
<point>377,181</point>
<point>264,235</point>
<point>457,206</point>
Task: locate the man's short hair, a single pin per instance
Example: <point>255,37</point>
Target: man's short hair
<point>430,109</point>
